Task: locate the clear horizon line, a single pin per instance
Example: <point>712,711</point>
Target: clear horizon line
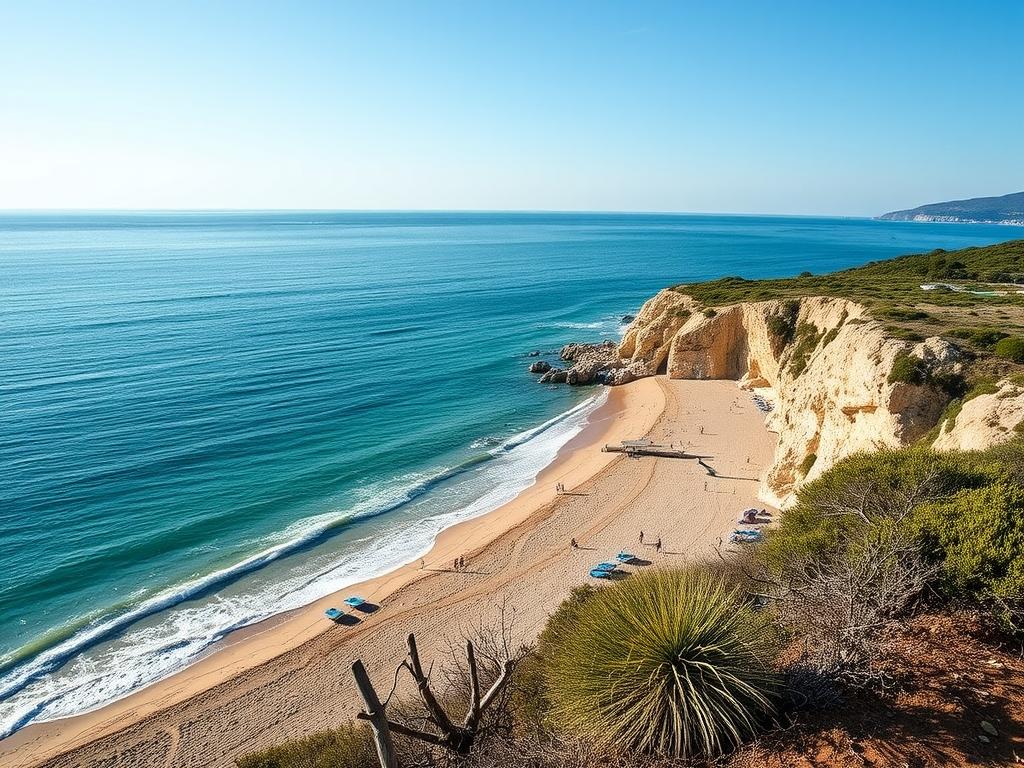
<point>595,211</point>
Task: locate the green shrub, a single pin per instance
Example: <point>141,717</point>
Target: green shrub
<point>908,369</point>
<point>782,325</point>
<point>350,746</point>
<point>779,327</point>
<point>902,313</point>
<point>904,334</point>
<point>981,386</point>
<point>1012,348</point>
<point>978,536</point>
<point>981,337</point>
<point>665,662</point>
<point>531,698</point>
<point>709,312</point>
<point>863,490</point>
<point>808,463</point>
<point>807,338</point>
<point>948,418</point>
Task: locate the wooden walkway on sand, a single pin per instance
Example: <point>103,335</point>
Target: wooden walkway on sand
<point>634,448</point>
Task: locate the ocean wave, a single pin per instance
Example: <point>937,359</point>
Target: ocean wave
<point>576,326</point>
<point>609,327</point>
<point>157,636</point>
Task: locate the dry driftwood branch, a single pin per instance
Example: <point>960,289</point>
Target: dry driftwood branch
<point>376,717</point>
<point>454,738</point>
<point>437,714</point>
<point>473,715</point>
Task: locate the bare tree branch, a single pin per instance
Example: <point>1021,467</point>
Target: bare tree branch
<point>376,716</point>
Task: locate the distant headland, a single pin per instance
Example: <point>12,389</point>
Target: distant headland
<point>1007,209</point>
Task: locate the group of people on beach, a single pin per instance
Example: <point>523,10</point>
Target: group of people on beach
<point>559,488</point>
<point>656,545</point>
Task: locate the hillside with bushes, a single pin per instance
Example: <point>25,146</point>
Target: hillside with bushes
<point>1005,209</point>
<point>883,617</point>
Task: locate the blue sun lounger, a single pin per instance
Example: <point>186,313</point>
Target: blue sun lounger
<point>333,614</point>
<point>354,602</point>
<point>625,557</point>
<point>599,573</point>
<point>606,566</point>
<point>746,537</point>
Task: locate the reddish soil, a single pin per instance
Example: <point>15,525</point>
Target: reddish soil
<point>949,678</point>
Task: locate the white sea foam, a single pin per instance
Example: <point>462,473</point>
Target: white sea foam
<point>117,655</point>
<point>611,327</point>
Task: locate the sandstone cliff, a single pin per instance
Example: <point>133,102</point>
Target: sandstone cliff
<point>985,420</point>
<point>838,382</point>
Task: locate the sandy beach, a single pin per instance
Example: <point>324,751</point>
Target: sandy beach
<point>289,677</point>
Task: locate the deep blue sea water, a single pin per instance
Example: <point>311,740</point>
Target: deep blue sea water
<point>209,418</point>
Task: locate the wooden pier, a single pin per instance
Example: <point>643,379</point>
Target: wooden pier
<point>635,448</point>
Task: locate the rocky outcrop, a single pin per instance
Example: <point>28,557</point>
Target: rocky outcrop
<point>541,366</point>
<point>985,420</point>
<point>595,364</point>
<point>839,383</point>
<point>822,362</point>
<point>554,376</point>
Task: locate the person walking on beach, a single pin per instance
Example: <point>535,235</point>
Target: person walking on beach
<point>702,430</point>
<point>641,537</point>
<point>573,544</point>
<point>423,563</point>
<point>455,564</point>
<point>657,545</point>
<point>462,563</point>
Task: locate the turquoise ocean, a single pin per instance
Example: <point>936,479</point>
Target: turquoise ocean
<point>207,419</point>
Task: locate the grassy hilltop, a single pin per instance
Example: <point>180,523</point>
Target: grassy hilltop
<point>976,302</point>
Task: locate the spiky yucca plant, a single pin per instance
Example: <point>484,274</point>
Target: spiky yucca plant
<point>667,662</point>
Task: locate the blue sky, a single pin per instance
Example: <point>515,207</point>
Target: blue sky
<point>783,107</point>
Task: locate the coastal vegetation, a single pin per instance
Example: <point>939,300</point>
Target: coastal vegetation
<point>666,662</point>
<point>974,296</point>
<point>707,664</point>
<point>704,661</point>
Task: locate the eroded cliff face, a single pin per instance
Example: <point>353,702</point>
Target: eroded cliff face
<point>983,421</point>
<point>838,382</point>
<point>822,362</point>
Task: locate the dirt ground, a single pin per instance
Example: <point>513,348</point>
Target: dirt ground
<point>949,677</point>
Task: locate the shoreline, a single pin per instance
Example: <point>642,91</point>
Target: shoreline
<point>629,411</point>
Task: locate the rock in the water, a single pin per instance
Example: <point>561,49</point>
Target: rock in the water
<point>534,353</point>
<point>592,364</point>
<point>627,319</point>
<point>554,376</point>
<point>574,353</point>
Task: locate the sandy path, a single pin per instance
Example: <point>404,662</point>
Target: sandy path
<point>244,697</point>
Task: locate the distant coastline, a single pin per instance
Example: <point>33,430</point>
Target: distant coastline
<point>936,219</point>
<point>1006,210</point>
